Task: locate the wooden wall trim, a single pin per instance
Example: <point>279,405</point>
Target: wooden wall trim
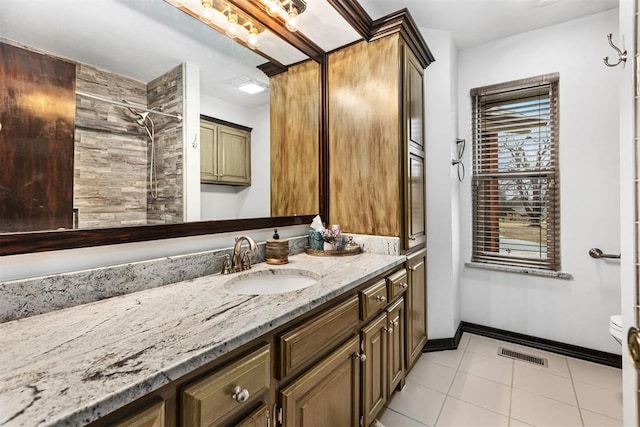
<point>272,68</point>
<point>323,153</point>
<point>590,355</point>
<point>397,22</point>
<point>402,22</point>
<point>42,241</point>
<point>355,15</point>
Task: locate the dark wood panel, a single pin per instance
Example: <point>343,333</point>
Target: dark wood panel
<point>42,241</point>
<point>37,112</point>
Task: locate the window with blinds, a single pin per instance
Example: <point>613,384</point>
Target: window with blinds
<point>516,201</point>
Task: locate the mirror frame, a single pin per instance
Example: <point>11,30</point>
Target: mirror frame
<point>355,15</point>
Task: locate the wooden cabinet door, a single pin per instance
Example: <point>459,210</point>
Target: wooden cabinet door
<point>414,97</point>
<point>259,418</point>
<point>234,156</point>
<point>208,153</point>
<point>328,394</point>
<point>395,330</point>
<point>415,225</point>
<point>225,154</point>
<point>416,307</point>
<point>414,209</point>
<point>374,368</point>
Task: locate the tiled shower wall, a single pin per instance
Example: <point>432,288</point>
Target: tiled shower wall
<point>110,164</point>
<point>112,152</point>
<point>166,92</point>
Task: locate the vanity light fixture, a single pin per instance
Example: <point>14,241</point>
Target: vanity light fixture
<point>232,29</point>
<point>287,10</point>
<point>252,39</point>
<point>223,17</point>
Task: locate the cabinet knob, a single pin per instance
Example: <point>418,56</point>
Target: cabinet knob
<point>403,285</point>
<point>380,298</point>
<point>389,329</point>
<point>240,394</point>
<point>361,356</point>
<point>395,323</point>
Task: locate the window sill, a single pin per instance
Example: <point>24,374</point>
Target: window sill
<point>520,270</point>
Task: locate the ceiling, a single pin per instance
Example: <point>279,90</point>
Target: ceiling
<point>143,39</point>
<point>474,22</point>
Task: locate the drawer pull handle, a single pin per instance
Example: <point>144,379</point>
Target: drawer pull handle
<point>395,323</point>
<point>240,394</point>
<point>403,285</point>
<point>361,356</point>
<point>380,298</point>
<point>389,329</point>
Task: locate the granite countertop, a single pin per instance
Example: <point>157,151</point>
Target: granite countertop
<point>72,366</point>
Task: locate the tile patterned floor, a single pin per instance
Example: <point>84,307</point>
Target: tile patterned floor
<point>473,386</point>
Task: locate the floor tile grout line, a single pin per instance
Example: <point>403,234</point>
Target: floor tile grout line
<point>406,416</point>
<point>478,406</point>
<point>513,378</point>
<point>575,393</point>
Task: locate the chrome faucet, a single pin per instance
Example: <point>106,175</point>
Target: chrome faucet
<point>240,260</point>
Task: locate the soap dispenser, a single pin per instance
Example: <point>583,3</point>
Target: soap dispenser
<point>277,250</point>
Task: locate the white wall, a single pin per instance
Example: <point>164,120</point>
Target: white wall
<point>442,186</point>
<point>571,311</point>
<point>190,139</point>
<point>227,201</point>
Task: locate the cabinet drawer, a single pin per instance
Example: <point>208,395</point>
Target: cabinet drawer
<point>212,399</point>
<point>397,284</point>
<point>317,337</point>
<point>373,299</point>
<point>152,416</point>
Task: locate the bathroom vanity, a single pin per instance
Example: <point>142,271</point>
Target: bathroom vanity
<point>196,353</point>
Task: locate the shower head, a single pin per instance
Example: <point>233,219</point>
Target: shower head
<point>142,117</point>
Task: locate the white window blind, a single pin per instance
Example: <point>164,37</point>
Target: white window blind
<point>516,204</point>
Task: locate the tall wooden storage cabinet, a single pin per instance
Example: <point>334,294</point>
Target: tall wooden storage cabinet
<point>376,140</point>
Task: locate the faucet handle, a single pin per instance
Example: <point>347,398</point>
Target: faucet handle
<point>226,265</point>
<point>246,261</point>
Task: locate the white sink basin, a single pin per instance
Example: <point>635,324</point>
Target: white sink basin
<point>271,281</point>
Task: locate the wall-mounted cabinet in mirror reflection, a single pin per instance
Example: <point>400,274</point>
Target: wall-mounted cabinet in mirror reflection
<point>71,152</point>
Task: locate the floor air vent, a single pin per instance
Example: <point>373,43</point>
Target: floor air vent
<point>512,354</point>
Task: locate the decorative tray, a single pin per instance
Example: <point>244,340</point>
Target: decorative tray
<point>343,252</point>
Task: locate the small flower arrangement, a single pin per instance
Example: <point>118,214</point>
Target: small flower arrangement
<point>331,235</point>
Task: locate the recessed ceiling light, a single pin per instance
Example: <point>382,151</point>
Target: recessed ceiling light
<point>251,88</point>
<point>248,85</point>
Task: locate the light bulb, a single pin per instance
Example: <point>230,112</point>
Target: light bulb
<point>273,8</point>
<point>292,20</point>
<point>252,39</point>
<point>232,29</point>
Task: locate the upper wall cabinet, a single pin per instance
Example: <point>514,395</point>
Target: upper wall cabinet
<point>225,154</point>
<point>376,140</point>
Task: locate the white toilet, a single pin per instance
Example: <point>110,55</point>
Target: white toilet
<point>615,327</point>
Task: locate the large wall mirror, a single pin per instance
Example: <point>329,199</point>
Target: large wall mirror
<point>124,83</point>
